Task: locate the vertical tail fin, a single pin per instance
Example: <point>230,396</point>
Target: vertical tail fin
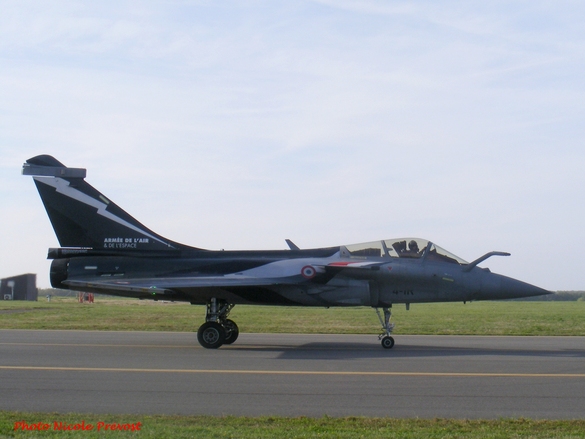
<point>83,217</point>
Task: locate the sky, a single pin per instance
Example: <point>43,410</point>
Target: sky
<point>236,125</point>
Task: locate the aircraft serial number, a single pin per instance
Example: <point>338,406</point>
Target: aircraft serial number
<point>404,292</point>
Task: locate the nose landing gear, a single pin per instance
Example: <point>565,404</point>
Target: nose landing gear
<point>217,329</point>
<point>385,338</point>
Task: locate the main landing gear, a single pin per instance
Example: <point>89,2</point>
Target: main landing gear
<point>217,329</point>
<point>385,338</point>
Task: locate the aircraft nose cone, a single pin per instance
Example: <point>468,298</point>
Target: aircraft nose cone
<point>502,287</point>
<point>516,289</point>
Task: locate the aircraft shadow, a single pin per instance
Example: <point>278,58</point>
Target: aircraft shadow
<point>348,351</point>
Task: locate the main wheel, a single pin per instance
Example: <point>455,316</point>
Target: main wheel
<point>231,331</point>
<point>211,335</point>
<point>387,342</point>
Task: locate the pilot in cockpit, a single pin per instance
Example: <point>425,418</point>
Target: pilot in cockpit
<point>413,250</point>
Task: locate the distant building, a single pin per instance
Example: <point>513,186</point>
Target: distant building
<point>23,287</point>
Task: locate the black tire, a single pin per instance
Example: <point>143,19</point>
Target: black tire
<point>387,342</point>
<point>211,335</point>
<point>231,331</point>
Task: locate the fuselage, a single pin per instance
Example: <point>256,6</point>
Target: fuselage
<point>339,276</point>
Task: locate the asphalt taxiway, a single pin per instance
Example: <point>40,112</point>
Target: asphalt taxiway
<point>293,375</point>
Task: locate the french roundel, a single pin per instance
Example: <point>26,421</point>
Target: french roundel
<point>308,272</point>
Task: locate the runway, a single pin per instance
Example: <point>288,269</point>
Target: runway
<point>293,375</point>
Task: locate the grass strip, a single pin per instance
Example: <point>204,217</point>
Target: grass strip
<point>279,427</point>
<point>477,318</point>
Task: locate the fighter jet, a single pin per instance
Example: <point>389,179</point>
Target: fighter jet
<point>105,250</point>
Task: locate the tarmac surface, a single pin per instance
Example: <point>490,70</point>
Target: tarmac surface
<point>293,375</point>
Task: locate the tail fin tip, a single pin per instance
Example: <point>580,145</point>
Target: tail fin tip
<point>48,166</point>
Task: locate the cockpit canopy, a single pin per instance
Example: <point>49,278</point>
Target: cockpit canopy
<point>414,248</point>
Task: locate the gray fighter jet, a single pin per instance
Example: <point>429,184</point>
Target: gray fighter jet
<point>105,250</point>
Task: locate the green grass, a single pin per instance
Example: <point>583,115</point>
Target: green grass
<point>477,318</point>
<point>277,427</point>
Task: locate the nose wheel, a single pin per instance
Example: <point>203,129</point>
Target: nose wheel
<point>387,342</point>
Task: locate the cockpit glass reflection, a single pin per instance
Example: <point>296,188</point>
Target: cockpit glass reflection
<point>413,248</point>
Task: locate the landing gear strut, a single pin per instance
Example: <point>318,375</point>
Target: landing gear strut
<point>217,329</point>
<point>386,339</point>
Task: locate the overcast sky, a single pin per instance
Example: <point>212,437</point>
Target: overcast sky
<point>236,125</point>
